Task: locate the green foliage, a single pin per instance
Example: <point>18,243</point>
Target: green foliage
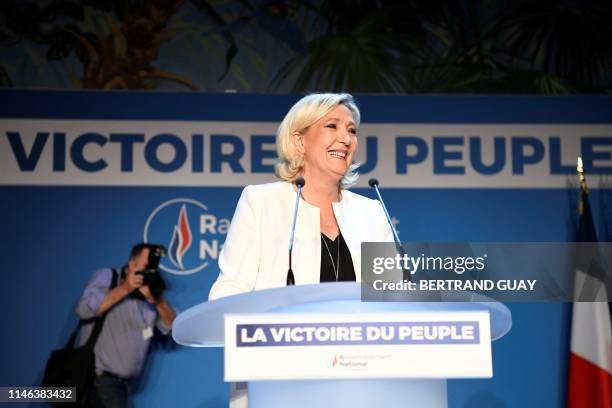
<point>486,46</point>
<point>383,46</point>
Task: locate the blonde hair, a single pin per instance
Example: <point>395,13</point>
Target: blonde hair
<point>300,117</point>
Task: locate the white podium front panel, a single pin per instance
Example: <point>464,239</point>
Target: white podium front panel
<point>301,346</point>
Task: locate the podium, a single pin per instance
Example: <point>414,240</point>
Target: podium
<point>204,326</point>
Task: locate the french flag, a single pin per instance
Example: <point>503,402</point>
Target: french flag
<point>590,364</point>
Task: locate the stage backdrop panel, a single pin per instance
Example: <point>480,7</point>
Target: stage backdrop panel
<point>84,175</point>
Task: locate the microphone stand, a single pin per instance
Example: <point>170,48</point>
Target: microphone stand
<point>300,182</point>
<point>398,244</point>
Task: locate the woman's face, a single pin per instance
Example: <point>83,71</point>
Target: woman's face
<point>329,144</point>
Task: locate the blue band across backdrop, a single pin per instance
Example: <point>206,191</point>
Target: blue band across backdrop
<point>270,108</point>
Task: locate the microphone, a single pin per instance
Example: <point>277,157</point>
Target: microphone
<point>299,182</point>
<point>373,182</point>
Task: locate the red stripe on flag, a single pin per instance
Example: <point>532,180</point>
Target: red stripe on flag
<point>589,385</point>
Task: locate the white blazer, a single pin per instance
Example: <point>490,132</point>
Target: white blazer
<point>255,254</point>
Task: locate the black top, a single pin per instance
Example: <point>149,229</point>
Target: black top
<point>342,260</point>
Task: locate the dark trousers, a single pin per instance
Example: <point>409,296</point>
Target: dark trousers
<point>108,392</point>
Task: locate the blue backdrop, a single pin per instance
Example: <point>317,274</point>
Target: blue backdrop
<point>55,236</point>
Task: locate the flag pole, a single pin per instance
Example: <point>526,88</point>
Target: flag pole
<point>583,185</point>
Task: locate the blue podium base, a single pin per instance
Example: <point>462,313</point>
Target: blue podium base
<point>348,394</point>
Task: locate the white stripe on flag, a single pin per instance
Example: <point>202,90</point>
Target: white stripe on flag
<point>591,329</point>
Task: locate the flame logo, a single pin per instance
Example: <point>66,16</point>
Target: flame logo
<point>181,239</point>
<point>335,361</point>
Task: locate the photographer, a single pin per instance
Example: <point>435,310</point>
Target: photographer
<point>134,306</point>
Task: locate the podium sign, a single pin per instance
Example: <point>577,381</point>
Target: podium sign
<point>302,346</point>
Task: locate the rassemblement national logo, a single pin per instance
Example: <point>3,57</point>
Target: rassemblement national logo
<point>192,235</point>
